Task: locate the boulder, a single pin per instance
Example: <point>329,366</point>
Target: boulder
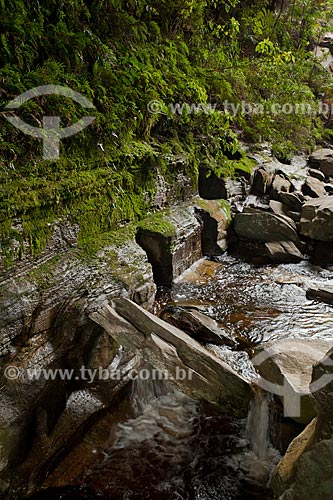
<point>283,474</point>
<point>317,174</point>
<point>172,242</point>
<point>280,184</point>
<point>322,381</point>
<point>214,220</point>
<point>262,182</point>
<point>313,474</point>
<point>322,160</point>
<point>293,201</point>
<point>278,208</point>
<point>309,474</point>
<point>317,219</point>
<point>314,188</point>
<point>265,227</point>
<point>197,325</point>
<point>286,368</point>
<point>323,293</point>
<point>283,252</point>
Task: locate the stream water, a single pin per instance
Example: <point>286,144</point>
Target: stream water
<point>172,448</point>
<point>175,449</point>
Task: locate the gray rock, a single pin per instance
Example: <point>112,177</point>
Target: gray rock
<point>278,208</point>
<point>324,293</point>
<point>284,473</point>
<point>288,363</point>
<point>214,221</point>
<point>167,348</point>
<point>172,245</point>
<point>293,201</point>
<point>280,185</point>
<point>317,219</point>
<point>283,251</point>
<point>317,174</point>
<point>314,188</point>
<point>265,227</point>
<point>197,325</point>
<point>262,181</point>
<point>323,160</point>
<point>307,472</point>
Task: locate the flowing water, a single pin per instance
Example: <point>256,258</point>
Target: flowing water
<point>176,449</point>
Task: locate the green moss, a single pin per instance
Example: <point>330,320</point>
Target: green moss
<point>225,205</point>
<point>207,206</point>
<point>105,176</point>
<point>245,164</point>
<point>158,223</point>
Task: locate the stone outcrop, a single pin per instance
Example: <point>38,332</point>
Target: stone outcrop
<point>284,472</point>
<point>215,221</point>
<point>173,244</point>
<point>317,219</point>
<point>169,348</point>
<point>262,181</point>
<point>280,184</point>
<point>181,236</point>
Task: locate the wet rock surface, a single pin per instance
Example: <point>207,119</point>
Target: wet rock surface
<point>321,293</point>
<point>197,325</point>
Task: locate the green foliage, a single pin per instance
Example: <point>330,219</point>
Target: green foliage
<point>122,55</point>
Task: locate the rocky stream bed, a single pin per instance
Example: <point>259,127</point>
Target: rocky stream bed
<point>230,287</point>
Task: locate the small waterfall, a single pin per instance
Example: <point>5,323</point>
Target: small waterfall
<point>159,410</point>
<point>258,464</point>
<point>146,390</point>
<point>257,428</point>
